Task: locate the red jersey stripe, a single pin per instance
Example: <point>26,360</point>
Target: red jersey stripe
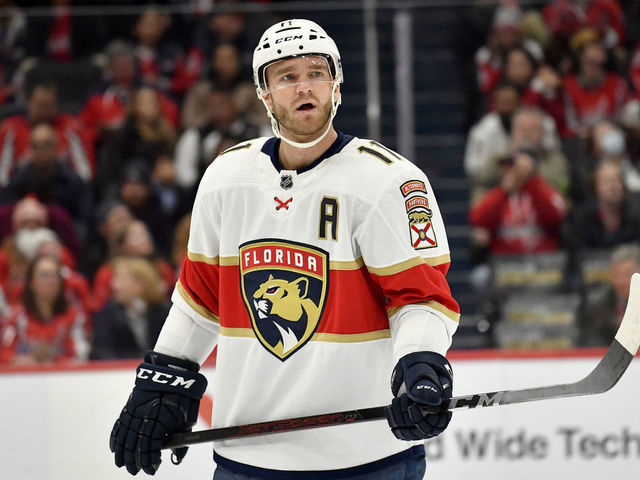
<point>361,297</point>
<point>200,281</point>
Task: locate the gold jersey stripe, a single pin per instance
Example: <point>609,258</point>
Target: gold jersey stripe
<point>407,264</point>
<point>439,260</point>
<point>455,316</point>
<point>237,332</point>
<point>198,308</point>
<point>199,257</point>
<point>229,261</point>
<point>352,337</point>
<point>317,337</point>
<point>346,264</point>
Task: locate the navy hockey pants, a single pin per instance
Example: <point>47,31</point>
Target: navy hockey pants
<point>412,468</point>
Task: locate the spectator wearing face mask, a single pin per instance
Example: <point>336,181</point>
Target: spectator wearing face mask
<point>30,213</point>
<point>31,244</point>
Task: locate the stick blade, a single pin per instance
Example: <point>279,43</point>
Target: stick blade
<point>629,332</point>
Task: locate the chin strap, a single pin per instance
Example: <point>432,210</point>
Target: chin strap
<point>276,127</point>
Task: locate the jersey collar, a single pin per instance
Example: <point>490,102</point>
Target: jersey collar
<point>272,146</point>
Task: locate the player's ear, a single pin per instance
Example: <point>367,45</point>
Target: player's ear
<point>337,90</point>
<point>268,101</point>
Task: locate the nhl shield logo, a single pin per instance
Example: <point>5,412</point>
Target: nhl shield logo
<point>284,287</point>
<point>286,182</point>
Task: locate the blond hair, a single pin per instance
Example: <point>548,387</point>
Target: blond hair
<point>145,272</point>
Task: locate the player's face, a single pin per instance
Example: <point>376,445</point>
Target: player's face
<point>300,95</point>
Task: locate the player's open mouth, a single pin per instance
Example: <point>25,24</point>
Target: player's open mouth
<point>306,107</point>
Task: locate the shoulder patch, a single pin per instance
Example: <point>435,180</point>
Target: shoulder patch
<point>421,231</point>
<point>412,186</point>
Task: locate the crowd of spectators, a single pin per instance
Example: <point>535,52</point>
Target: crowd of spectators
<point>108,122</point>
<point>106,126</point>
<point>554,163</point>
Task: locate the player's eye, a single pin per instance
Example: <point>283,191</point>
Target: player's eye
<point>317,74</point>
<point>288,77</point>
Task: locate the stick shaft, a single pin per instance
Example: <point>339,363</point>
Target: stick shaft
<point>276,426</point>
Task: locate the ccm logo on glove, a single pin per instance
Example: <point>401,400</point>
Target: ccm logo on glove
<point>160,377</point>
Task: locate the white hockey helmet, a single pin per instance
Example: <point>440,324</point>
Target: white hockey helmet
<point>290,39</point>
<point>294,38</point>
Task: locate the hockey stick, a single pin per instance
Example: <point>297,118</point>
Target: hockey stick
<point>602,378</point>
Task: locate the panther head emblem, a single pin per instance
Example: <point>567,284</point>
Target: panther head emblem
<point>284,286</point>
<point>285,314</point>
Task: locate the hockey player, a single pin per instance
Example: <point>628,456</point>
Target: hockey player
<point>316,262</point>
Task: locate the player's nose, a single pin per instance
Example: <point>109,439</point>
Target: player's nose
<point>304,87</point>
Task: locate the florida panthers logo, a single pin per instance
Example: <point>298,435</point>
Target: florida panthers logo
<point>284,287</point>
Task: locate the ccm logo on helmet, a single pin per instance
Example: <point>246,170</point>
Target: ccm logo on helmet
<point>286,39</point>
<point>160,377</point>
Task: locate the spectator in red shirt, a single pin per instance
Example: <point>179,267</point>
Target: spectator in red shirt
<point>592,94</point>
<point>45,327</point>
<point>42,107</point>
<point>134,241</point>
<point>105,111</point>
<point>50,178</point>
<point>545,92</point>
<point>521,215</point>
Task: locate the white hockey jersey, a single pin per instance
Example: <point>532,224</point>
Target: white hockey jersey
<point>305,277</point>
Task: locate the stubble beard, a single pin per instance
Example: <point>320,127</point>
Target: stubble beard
<point>306,128</point>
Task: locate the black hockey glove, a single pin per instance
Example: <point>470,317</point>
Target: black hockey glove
<point>165,400</point>
<point>420,382</point>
